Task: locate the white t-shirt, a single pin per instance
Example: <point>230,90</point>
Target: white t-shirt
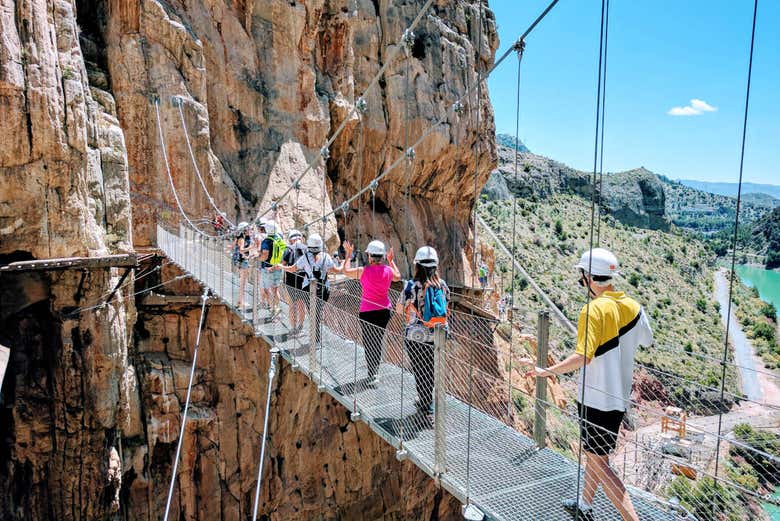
<point>309,263</point>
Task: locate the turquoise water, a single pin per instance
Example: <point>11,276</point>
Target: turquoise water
<point>772,510</point>
<point>767,282</point>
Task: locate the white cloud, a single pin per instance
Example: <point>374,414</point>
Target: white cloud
<point>696,107</point>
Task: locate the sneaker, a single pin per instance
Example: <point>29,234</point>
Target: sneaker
<point>424,408</point>
<point>372,381</point>
<point>581,511</point>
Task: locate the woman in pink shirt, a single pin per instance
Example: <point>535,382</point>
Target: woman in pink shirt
<point>375,279</point>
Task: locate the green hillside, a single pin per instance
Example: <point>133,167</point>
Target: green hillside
<point>667,270</point>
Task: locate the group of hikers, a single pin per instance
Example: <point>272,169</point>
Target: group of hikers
<point>611,327</point>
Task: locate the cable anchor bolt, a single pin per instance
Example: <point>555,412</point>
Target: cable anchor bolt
<point>408,39</point>
<point>325,153</point>
<point>361,105</point>
<point>297,185</point>
<point>274,206</point>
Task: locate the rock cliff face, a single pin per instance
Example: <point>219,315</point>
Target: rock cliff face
<point>89,415</point>
<point>264,83</point>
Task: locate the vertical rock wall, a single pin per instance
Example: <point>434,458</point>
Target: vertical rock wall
<point>90,405</point>
<point>63,192</point>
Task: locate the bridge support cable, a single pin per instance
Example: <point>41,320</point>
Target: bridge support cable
<point>391,55</point>
<point>601,139</point>
<point>178,102</point>
<point>592,237</point>
<point>474,265</point>
<point>271,375</point>
<point>732,271</point>
<point>168,171</point>
<point>510,312</point>
<point>456,108</point>
<point>186,405</point>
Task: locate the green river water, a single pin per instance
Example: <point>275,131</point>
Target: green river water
<point>766,281</point>
<point>768,284</point>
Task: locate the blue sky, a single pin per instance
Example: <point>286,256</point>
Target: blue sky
<point>661,55</point>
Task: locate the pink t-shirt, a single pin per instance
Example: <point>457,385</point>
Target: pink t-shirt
<point>376,280</point>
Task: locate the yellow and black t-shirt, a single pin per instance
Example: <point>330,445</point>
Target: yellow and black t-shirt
<point>616,325</point>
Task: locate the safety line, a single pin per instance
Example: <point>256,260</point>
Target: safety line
<point>170,177</point>
<point>186,405</point>
<point>393,52</point>
<point>456,107</point>
<point>271,374</point>
<point>179,102</point>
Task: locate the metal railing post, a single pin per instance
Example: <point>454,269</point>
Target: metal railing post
<point>221,272</point>
<point>255,294</point>
<point>540,406</point>
<point>439,401</point>
<point>312,328</point>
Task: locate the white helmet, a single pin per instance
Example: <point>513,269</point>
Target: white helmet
<point>241,227</point>
<point>599,262</point>
<point>375,248</point>
<point>314,243</point>
<point>270,227</point>
<point>426,256</point>
<point>294,234</point>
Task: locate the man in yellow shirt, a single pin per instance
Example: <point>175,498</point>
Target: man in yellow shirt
<point>610,328</point>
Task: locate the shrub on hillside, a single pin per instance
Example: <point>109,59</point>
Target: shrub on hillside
<point>759,449</point>
<point>765,331</point>
<point>705,496</point>
<point>701,305</point>
<point>769,311</point>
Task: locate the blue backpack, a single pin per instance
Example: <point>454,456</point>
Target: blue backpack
<point>434,306</point>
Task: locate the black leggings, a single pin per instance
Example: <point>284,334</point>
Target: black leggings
<point>421,357</point>
<point>372,326</point>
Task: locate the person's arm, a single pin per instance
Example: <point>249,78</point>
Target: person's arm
<point>584,352</point>
<point>393,267</point>
<point>400,306</point>
<point>348,270</point>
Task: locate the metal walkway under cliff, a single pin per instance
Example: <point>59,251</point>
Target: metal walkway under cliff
<point>469,446</point>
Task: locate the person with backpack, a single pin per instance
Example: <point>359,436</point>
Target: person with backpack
<point>271,252</point>
<point>423,303</point>
<point>375,279</point>
<point>294,279</point>
<point>312,264</point>
<point>242,246</point>
<point>482,273</point>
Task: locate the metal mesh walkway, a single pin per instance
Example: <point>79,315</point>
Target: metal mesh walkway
<point>479,458</point>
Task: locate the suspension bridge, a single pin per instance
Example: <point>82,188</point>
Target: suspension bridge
<point>477,444</point>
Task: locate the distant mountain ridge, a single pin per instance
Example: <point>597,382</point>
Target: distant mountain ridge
<point>730,189</point>
<point>635,197</point>
<point>509,141</point>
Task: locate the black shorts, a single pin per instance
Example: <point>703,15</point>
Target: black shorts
<point>599,429</point>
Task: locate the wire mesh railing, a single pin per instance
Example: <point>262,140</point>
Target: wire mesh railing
<point>464,412</point>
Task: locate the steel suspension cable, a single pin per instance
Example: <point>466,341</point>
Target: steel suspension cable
<point>170,177</point>
<point>456,107</point>
<point>271,375</point>
<point>477,108</point>
<point>601,141</point>
<point>186,405</point>
<point>179,102</point>
<point>583,370</point>
<point>390,58</point>
<point>732,272</point>
<point>510,315</point>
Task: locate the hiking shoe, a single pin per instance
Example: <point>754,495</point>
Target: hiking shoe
<point>581,511</point>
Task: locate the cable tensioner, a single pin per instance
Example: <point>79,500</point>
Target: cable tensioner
<point>325,153</point>
<point>410,154</point>
<point>519,45</point>
<point>373,186</point>
<point>361,105</point>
